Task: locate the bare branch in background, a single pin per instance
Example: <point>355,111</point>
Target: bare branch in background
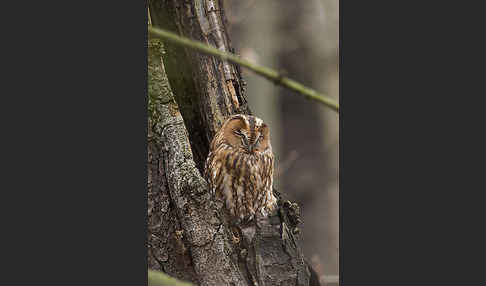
<point>287,163</point>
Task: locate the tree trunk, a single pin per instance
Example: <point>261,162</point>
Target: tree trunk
<point>190,95</point>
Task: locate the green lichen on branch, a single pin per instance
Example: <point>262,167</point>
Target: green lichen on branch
<point>159,92</point>
<point>156,278</point>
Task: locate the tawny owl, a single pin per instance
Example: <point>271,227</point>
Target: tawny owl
<point>239,168</point>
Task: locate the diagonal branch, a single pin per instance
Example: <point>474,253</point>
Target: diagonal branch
<point>260,70</point>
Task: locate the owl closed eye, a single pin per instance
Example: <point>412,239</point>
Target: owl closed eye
<point>239,167</point>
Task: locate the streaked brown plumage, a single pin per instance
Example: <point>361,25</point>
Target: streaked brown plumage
<point>239,168</point>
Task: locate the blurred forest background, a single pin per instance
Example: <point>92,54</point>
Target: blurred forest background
<point>300,39</point>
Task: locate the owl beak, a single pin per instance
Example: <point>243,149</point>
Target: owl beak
<point>252,147</point>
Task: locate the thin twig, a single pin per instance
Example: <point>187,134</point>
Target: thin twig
<point>287,163</point>
<point>260,70</point>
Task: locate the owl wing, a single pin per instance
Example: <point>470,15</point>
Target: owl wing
<point>213,170</point>
<point>269,199</point>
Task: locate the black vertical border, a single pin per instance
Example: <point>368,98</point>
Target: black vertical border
<point>407,73</point>
<point>76,165</point>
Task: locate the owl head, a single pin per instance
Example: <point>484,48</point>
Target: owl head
<point>247,133</point>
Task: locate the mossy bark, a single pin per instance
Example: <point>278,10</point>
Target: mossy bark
<point>190,95</point>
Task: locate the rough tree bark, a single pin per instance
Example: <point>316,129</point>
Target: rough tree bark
<point>190,95</point>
